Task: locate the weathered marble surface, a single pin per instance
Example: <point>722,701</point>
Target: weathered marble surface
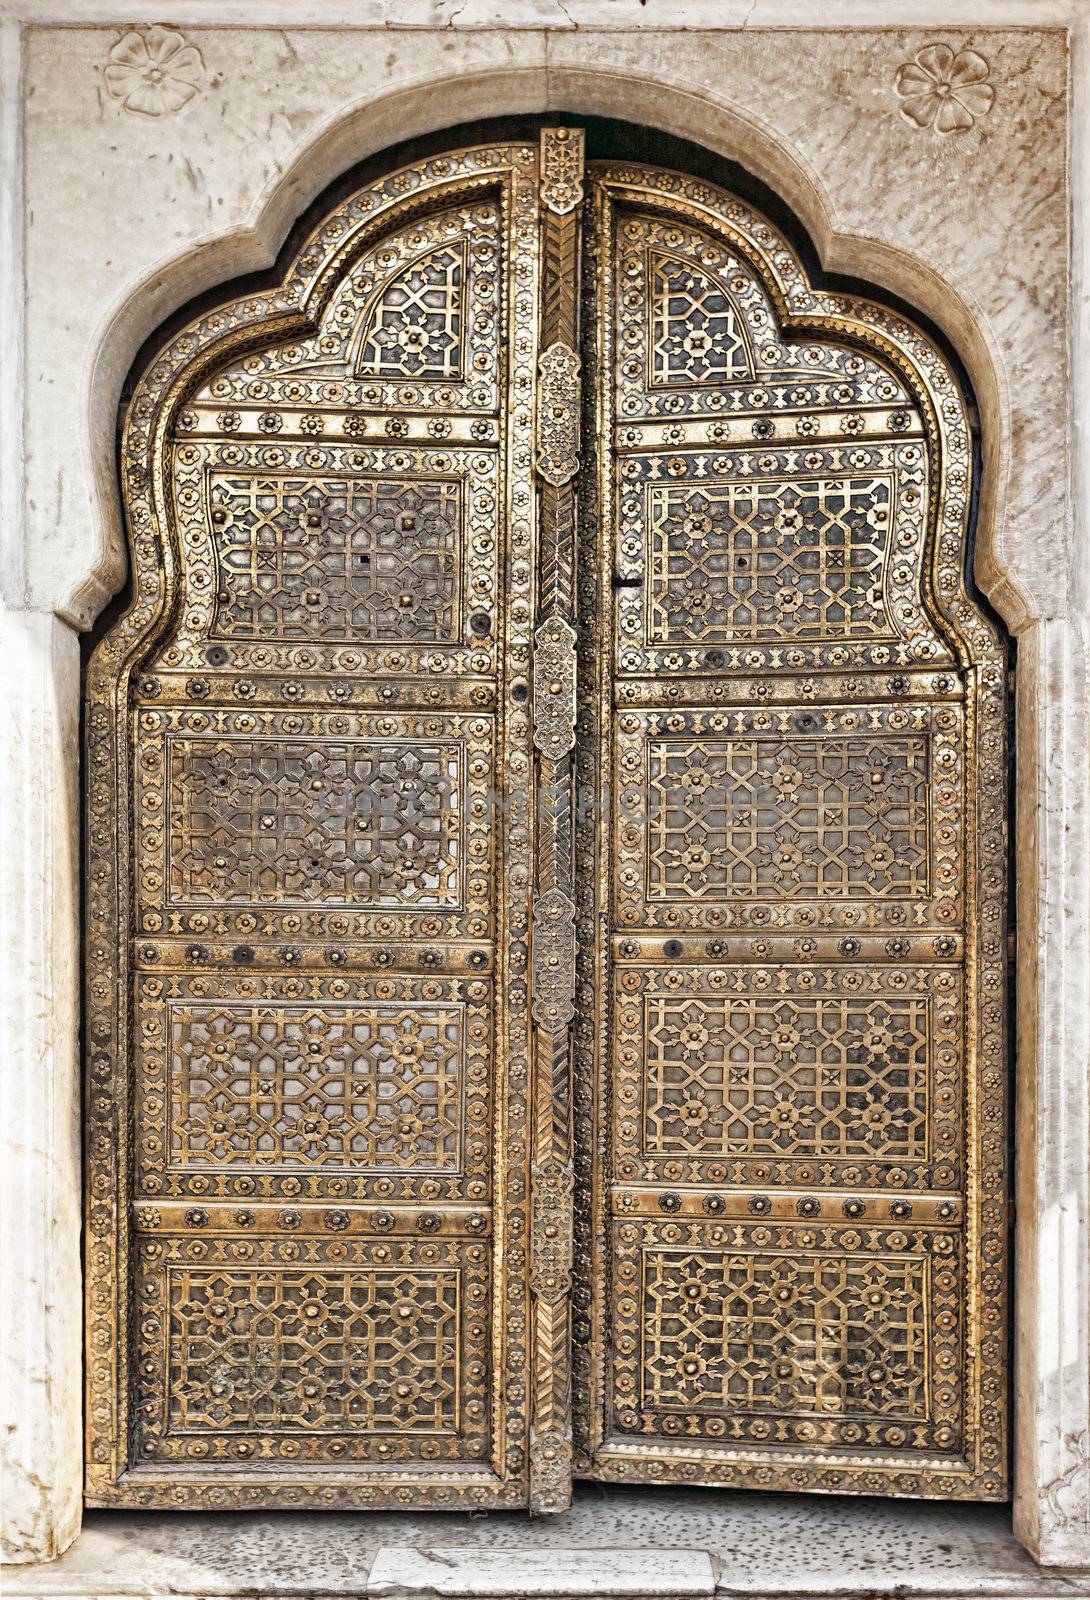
<point>41,1300</point>
<point>119,212</point>
<point>466,1570</point>
<point>744,1544</point>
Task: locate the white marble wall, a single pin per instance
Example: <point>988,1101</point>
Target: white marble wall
<point>125,196</point>
<point>40,1292</point>
<point>1052,1123</point>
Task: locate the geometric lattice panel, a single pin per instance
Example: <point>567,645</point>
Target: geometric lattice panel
<point>279,1085</point>
<point>750,558</point>
<point>414,328</point>
<point>695,330</point>
<point>751,1334</point>
<point>255,820</point>
<point>818,1334</point>
<point>787,817</point>
<point>368,1087</point>
<point>824,1076</point>
<point>786,1075</point>
<point>281,1342</point>
<point>299,1351</point>
<point>336,558</point>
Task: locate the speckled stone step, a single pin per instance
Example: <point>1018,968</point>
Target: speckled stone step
<point>469,1573</point>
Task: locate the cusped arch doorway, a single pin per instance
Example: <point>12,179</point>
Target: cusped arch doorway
<point>546,873</point>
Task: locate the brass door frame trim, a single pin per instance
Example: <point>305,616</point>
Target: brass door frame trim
<point>552,942</point>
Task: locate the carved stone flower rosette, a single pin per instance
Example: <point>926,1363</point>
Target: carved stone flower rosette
<point>944,90</point>
<point>153,71</point>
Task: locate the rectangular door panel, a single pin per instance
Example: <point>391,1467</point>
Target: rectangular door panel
<point>734,817</point>
<point>758,1067</point>
<point>357,1080</point>
<point>317,1354</point>
<point>749,1335</point>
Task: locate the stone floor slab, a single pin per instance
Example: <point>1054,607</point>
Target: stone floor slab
<point>470,1573</point>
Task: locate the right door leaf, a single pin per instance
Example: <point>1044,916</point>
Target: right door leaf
<point>791,1035</point>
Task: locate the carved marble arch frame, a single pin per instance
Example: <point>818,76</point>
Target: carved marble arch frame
<point>274,314</point>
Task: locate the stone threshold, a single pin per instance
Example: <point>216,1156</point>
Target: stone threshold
<point>617,1543</point>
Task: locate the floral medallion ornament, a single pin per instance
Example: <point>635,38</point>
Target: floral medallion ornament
<point>942,90</point>
<point>153,71</point>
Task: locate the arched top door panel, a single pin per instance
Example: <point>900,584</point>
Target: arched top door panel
<point>408,348</point>
<point>844,413</point>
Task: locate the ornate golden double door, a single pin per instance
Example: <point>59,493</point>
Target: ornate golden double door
<point>546,874</point>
